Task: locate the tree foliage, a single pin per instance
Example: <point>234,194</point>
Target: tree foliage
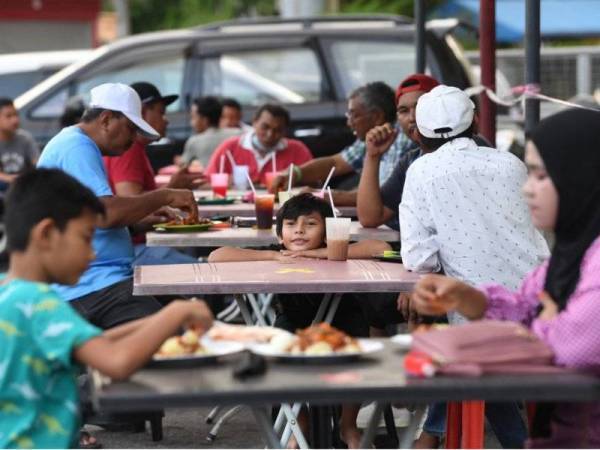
<point>150,15</point>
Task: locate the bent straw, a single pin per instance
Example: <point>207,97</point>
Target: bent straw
<point>331,202</point>
<point>327,180</point>
<point>230,158</point>
<point>222,164</point>
<point>274,162</point>
<point>251,183</point>
<point>290,176</point>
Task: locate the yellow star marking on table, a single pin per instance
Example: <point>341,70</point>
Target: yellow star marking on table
<point>52,424</point>
<point>292,270</point>
<point>8,328</point>
<point>9,408</point>
<point>37,364</point>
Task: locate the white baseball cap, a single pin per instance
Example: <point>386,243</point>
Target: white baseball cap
<point>444,112</point>
<point>122,98</point>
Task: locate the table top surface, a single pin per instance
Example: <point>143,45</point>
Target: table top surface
<point>300,275</point>
<point>379,377</point>
<point>252,237</point>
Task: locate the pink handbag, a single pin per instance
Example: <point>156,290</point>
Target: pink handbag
<point>485,346</point>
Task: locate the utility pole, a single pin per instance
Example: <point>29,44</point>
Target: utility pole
<point>532,61</point>
<point>487,57</point>
<point>123,24</point>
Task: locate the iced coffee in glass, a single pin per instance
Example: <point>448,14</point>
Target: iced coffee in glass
<point>264,211</point>
<point>338,238</point>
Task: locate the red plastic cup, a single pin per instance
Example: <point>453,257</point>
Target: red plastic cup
<point>269,177</point>
<point>264,211</point>
<point>219,183</point>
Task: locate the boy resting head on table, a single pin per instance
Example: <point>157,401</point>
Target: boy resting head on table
<point>50,220</point>
<point>300,229</point>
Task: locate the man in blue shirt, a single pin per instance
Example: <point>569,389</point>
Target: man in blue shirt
<point>108,127</point>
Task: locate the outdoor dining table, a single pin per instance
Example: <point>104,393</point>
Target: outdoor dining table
<point>306,275</point>
<point>378,378</point>
<point>252,237</point>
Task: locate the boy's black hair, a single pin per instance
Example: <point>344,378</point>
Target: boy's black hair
<point>231,103</point>
<point>5,101</point>
<point>302,205</point>
<point>275,110</point>
<point>44,193</point>
<point>209,107</point>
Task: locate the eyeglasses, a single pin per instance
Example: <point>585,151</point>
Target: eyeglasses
<point>353,115</point>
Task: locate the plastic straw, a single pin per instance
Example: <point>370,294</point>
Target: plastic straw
<point>327,180</point>
<point>290,176</point>
<point>274,162</point>
<point>331,202</point>
<point>222,164</point>
<point>230,158</point>
<point>251,184</point>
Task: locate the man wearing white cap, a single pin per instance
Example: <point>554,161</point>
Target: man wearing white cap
<point>108,127</point>
<point>462,212</point>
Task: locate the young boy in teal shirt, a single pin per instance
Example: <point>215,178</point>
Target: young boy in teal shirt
<point>50,219</point>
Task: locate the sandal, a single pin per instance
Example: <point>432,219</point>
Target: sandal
<point>87,441</point>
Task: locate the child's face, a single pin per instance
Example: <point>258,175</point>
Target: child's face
<point>540,192</point>
<point>304,233</point>
<point>70,251</point>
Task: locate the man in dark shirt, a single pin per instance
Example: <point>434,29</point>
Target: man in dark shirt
<point>378,205</point>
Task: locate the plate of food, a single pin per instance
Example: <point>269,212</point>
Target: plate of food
<point>216,201</point>
<point>403,341</point>
<point>190,350</point>
<point>389,256</point>
<point>320,343</point>
<point>180,225</point>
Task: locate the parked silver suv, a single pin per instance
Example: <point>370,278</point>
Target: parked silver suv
<point>309,65</point>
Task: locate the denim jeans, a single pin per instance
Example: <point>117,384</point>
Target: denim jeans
<point>504,418</point>
<point>150,256</point>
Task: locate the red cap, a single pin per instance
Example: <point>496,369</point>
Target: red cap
<point>416,82</point>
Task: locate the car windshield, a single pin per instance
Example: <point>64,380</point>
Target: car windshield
<point>360,62</point>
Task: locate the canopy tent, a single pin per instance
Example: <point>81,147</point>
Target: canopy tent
<point>559,18</point>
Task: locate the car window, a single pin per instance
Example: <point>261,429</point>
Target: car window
<point>166,73</point>
<point>255,77</point>
<point>164,70</point>
<point>15,83</point>
<point>360,62</point>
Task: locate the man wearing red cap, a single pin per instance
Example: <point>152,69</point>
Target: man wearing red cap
<point>375,205</point>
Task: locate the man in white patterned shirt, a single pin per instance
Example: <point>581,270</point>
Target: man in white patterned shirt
<point>463,213</point>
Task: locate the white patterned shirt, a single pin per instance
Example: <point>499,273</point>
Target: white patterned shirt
<point>463,212</point>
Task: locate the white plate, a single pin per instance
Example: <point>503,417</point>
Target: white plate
<point>214,349</point>
<point>368,347</point>
<point>402,340</point>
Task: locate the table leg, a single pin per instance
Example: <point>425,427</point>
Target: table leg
<point>266,427</point>
<point>322,309</point>
<point>369,433</point>
<point>408,437</point>
<point>227,311</point>
<point>292,426</point>
<point>265,308</point>
<point>241,302</point>
<point>256,310</point>
<point>333,308</point>
<point>321,430</point>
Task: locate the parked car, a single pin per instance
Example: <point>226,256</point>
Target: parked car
<point>309,65</point>
<point>19,72</point>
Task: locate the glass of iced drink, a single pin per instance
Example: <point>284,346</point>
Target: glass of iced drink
<point>240,177</point>
<point>219,183</point>
<point>284,196</point>
<point>338,238</point>
<point>264,211</point>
